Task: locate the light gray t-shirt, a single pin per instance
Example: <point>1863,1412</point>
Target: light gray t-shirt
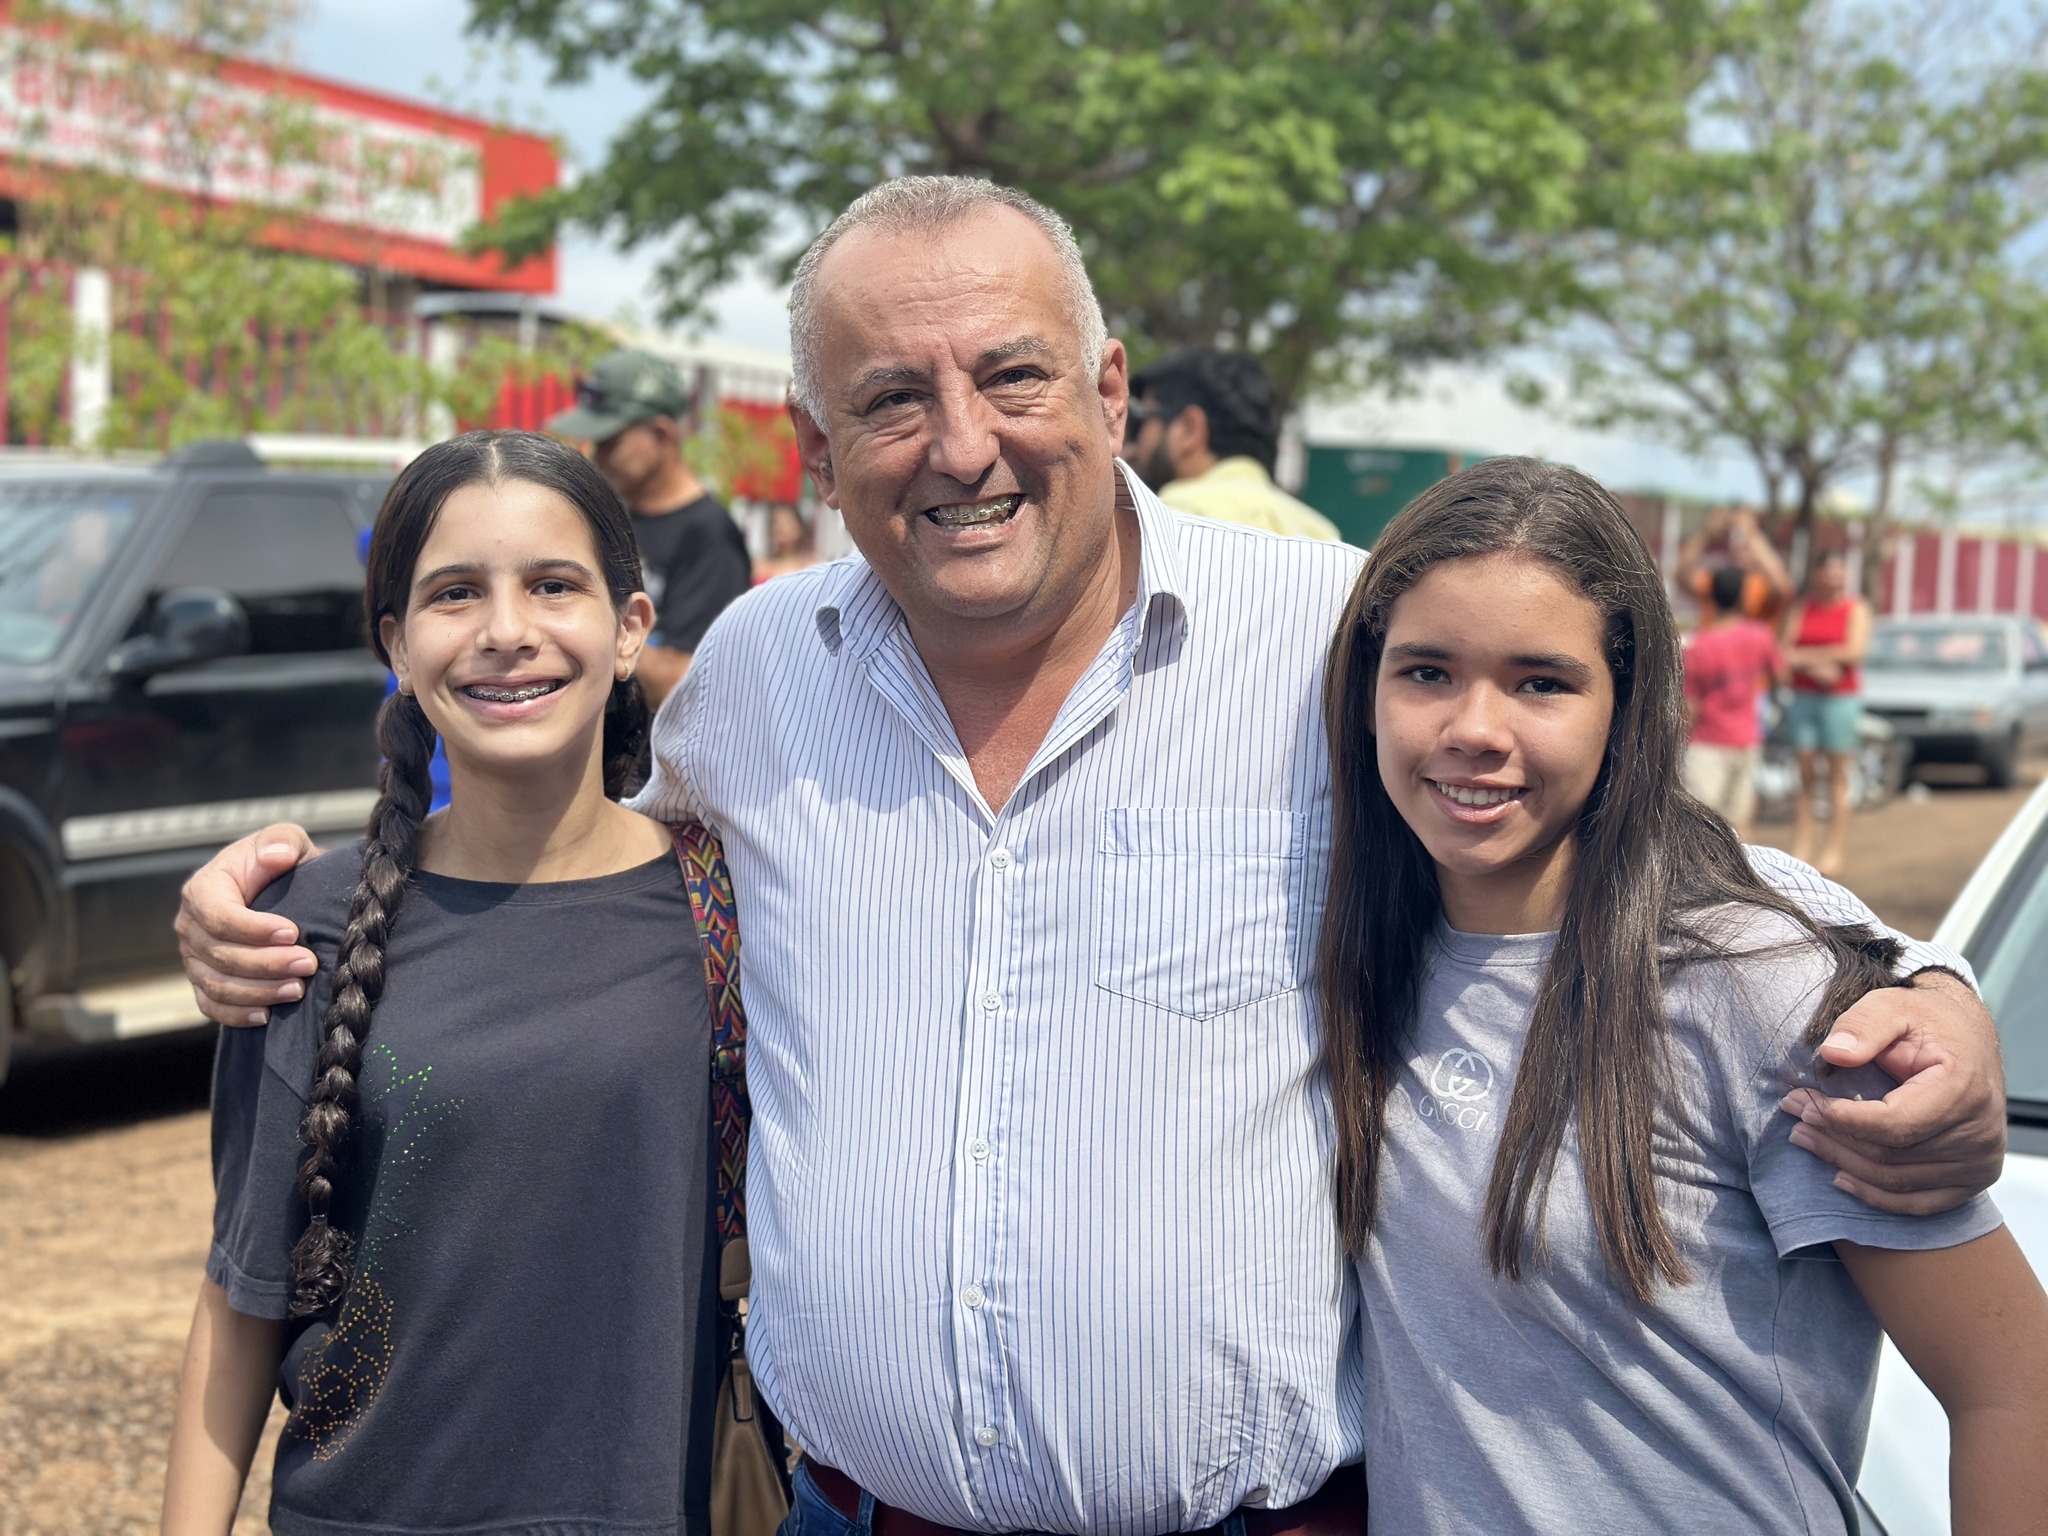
<point>1738,1402</point>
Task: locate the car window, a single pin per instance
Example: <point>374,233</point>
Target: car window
<point>2033,652</point>
<point>2011,961</point>
<point>56,543</point>
<point>287,556</point>
<point>1938,648</point>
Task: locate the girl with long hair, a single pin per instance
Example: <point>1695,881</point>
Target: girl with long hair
<point>1603,1291</point>
<point>463,1186</point>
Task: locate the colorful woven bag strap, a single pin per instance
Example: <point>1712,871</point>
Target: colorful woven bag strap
<point>711,903</point>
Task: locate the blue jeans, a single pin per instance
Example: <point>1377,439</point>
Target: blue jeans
<point>812,1514</point>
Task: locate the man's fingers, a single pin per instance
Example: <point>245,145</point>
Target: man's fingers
<point>1921,1202</point>
<point>238,960</point>
<point>231,1000</point>
<point>1930,1104</point>
<point>1866,1029</point>
<point>1881,1168</point>
<point>272,975</point>
<point>214,907</point>
<point>278,847</point>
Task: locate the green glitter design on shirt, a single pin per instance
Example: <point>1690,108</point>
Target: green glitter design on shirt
<point>339,1384</point>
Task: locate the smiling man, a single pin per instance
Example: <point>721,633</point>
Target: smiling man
<point>1028,816</point>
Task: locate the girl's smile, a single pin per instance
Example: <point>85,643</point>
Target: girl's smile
<point>1491,711</point>
<point>1476,804</point>
<point>510,698</point>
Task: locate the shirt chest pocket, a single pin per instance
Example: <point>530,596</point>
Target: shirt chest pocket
<point>1199,907</point>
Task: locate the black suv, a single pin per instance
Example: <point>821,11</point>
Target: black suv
<point>182,660</point>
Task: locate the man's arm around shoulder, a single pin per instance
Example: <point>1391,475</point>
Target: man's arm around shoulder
<point>1939,1137</point>
<point>239,960</point>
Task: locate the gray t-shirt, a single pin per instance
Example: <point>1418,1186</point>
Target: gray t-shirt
<point>1738,1402</point>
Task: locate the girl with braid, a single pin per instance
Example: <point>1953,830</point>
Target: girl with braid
<point>464,1185</point>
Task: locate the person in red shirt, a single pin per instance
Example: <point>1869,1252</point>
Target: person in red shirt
<point>1825,635</point>
<point>1727,666</point>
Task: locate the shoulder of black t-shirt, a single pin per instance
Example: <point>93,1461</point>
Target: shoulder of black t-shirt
<point>699,507</point>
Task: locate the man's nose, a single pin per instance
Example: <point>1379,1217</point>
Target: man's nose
<point>964,445</point>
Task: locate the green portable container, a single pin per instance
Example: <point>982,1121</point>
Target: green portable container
<point>1360,487</point>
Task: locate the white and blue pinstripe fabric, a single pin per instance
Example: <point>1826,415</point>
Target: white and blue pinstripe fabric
<point>1039,1191</point>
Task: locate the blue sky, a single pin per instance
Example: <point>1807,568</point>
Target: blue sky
<point>417,48</point>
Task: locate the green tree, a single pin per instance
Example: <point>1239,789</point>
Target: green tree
<point>1834,275</point>
<point>1342,187</point>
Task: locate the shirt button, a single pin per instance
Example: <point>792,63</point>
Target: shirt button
<point>991,1001</point>
<point>985,1437</point>
<point>1000,859</point>
<point>978,1149</point>
<point>974,1296</point>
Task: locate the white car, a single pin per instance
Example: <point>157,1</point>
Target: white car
<point>2000,924</point>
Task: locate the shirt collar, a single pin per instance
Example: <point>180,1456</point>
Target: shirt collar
<point>855,611</point>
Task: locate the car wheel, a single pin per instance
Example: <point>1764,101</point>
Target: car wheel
<point>2001,760</point>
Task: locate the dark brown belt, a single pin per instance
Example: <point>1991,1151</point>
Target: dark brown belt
<point>1335,1509</point>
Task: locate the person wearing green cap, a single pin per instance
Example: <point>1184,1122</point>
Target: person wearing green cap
<point>631,408</point>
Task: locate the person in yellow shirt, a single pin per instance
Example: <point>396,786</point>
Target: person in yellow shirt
<point>1203,432</point>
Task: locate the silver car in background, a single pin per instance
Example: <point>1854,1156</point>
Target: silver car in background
<point>2000,924</point>
<point>1961,688</point>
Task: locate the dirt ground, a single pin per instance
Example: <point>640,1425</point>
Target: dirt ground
<point>105,1206</point>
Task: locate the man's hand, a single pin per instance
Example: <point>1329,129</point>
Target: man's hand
<point>238,961</point>
<point>1939,1137</point>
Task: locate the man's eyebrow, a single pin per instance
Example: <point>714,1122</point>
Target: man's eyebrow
<point>1010,351</point>
<point>892,373</point>
<point>989,357</point>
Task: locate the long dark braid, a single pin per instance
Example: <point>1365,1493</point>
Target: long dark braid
<point>321,1260</point>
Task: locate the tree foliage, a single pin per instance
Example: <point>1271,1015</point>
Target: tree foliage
<point>1335,185</point>
<point>1835,273</point>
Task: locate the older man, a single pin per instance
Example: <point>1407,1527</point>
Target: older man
<point>1028,817</point>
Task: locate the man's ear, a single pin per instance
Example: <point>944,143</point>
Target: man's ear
<point>392,634</point>
<point>1187,436</point>
<point>815,449</point>
<point>1113,384</point>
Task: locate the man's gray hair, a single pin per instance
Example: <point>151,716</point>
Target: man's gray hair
<point>926,205</point>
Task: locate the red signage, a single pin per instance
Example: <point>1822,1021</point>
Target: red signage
<point>390,183</point>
